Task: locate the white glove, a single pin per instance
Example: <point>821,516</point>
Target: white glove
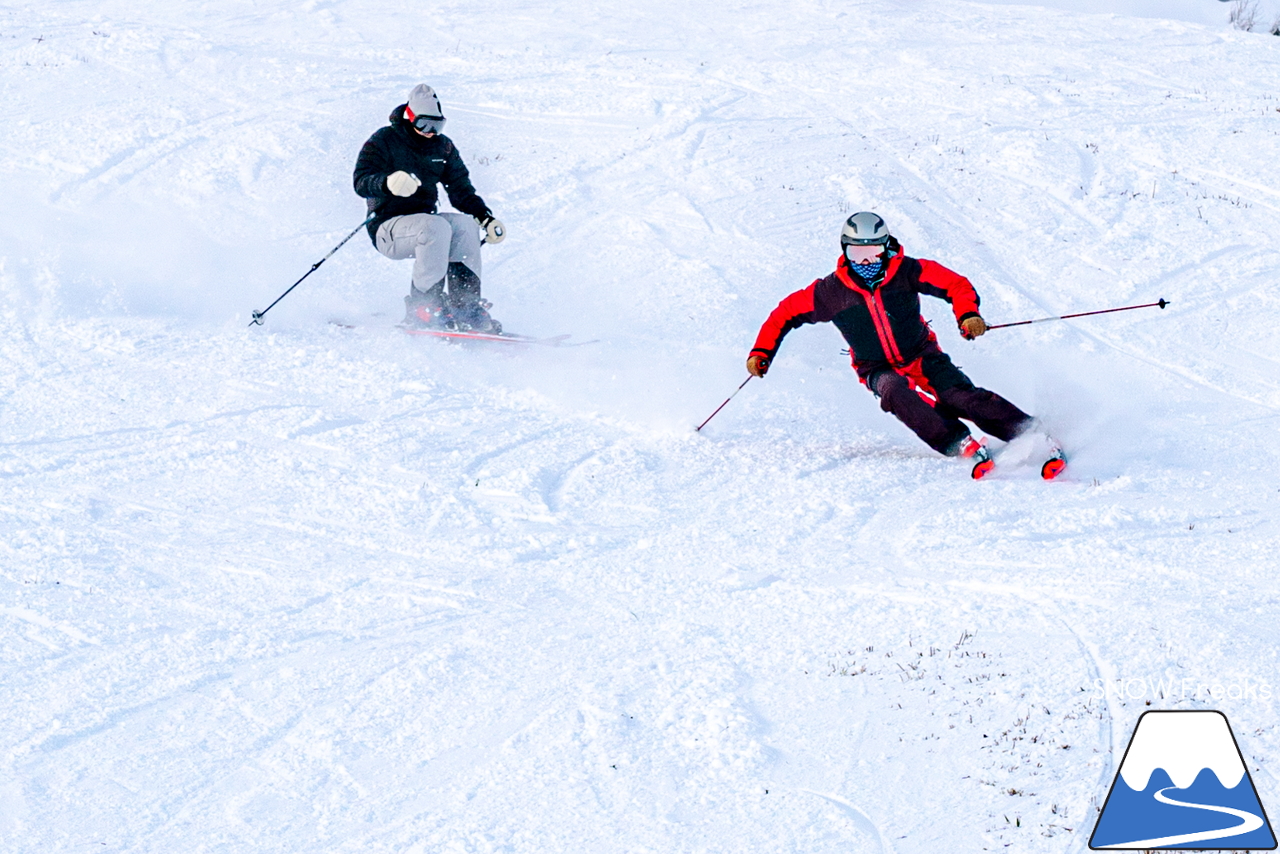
<point>494,230</point>
<point>403,184</point>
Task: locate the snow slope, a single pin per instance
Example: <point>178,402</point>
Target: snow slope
<point>305,588</point>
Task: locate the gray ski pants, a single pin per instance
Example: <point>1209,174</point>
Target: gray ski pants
<point>432,241</point>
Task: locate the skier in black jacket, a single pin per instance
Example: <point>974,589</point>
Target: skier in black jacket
<point>397,172</point>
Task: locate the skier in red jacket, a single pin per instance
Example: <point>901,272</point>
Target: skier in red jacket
<point>873,298</point>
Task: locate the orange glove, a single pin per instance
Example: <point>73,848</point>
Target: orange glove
<point>757,365</point>
<point>972,327</point>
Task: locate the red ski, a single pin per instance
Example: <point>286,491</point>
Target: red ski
<point>984,463</point>
<point>489,337</point>
<point>481,337</point>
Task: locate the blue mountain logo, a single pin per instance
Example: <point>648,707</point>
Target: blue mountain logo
<point>1183,784</point>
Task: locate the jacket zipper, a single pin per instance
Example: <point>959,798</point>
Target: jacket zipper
<point>879,317</point>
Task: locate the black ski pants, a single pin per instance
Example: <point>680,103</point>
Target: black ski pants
<point>939,425</point>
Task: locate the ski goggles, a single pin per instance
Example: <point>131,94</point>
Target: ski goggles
<point>426,124</point>
<point>864,254</point>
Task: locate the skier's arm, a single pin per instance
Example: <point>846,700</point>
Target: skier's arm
<point>457,183</point>
<point>795,310</point>
<point>936,280</point>
<point>372,168</point>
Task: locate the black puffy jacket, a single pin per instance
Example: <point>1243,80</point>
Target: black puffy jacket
<point>398,147</point>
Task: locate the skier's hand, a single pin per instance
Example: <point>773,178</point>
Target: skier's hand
<point>972,327</point>
<point>494,230</point>
<point>757,365</point>
<point>403,184</point>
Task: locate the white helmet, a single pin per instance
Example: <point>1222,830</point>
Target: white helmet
<point>864,229</point>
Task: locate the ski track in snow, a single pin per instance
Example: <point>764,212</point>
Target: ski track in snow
<point>303,588</point>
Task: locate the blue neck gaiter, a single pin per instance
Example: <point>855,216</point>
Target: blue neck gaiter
<point>867,272</point>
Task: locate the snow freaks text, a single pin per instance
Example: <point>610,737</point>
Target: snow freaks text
<point>1148,688</point>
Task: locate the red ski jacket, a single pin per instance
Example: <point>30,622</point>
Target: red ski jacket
<point>881,322</point>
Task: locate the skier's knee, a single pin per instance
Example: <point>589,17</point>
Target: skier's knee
<point>465,246</point>
<point>435,230</point>
<point>963,397</point>
<point>887,386</point>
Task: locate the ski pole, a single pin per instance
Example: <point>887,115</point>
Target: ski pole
<point>1162,303</point>
<point>257,315</point>
<point>723,405</point>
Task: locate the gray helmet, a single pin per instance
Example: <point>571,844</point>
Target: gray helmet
<point>423,110</point>
<point>424,102</point>
<point>864,229</point>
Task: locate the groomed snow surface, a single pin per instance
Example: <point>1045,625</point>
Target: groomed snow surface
<point>304,588</point>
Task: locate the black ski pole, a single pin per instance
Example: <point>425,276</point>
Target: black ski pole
<point>723,405</point>
<point>257,315</point>
<point>1161,304</point>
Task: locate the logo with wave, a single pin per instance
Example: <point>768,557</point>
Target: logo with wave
<point>1183,784</point>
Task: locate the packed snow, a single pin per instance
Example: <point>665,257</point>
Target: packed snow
<point>304,587</point>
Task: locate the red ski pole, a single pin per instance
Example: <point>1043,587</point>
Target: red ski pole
<point>723,405</point>
<point>1161,304</point>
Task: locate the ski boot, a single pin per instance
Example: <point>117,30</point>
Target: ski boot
<point>475,317</point>
<point>469,311</point>
<point>425,310</point>
<point>1054,465</point>
<point>971,449</point>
